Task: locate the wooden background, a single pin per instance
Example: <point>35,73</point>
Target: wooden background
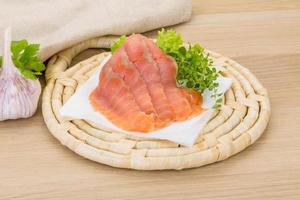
<point>263,35</point>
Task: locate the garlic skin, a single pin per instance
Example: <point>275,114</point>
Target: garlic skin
<point>18,96</point>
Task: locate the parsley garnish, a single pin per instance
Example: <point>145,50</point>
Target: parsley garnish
<point>118,43</point>
<point>25,58</point>
<point>195,70</point>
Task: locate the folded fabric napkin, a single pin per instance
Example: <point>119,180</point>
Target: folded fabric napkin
<point>58,24</point>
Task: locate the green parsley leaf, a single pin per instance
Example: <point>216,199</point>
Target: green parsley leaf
<point>118,43</point>
<point>18,46</point>
<point>25,58</point>
<point>28,74</point>
<point>0,61</point>
<point>218,103</point>
<point>169,41</point>
<point>195,70</point>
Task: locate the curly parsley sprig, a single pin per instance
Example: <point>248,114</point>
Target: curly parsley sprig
<point>195,68</point>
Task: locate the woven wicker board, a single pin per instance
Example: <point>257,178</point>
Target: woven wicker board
<point>239,123</point>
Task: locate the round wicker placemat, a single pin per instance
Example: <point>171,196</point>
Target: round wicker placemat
<point>238,124</point>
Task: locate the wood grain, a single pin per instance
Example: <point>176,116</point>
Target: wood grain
<point>263,35</point>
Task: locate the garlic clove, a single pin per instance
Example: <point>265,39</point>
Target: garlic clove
<point>18,96</point>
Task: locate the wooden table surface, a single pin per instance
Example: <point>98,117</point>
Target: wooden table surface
<point>263,35</point>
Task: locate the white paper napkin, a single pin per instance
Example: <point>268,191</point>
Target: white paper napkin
<point>184,133</point>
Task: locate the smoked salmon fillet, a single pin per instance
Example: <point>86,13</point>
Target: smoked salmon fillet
<point>116,102</point>
<point>168,71</point>
<point>131,76</point>
<point>137,88</point>
<point>139,54</point>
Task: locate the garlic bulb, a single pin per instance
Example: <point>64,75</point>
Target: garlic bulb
<point>18,96</point>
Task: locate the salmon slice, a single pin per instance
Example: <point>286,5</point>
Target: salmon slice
<point>113,98</point>
<point>124,68</point>
<point>142,59</point>
<point>137,88</point>
<point>168,71</point>
<point>195,99</point>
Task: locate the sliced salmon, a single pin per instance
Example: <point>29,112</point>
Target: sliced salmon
<point>137,88</point>
<point>168,71</point>
<point>140,55</point>
<point>195,99</point>
<point>131,76</point>
<point>113,98</point>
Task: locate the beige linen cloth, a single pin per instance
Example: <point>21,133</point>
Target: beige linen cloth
<point>58,24</point>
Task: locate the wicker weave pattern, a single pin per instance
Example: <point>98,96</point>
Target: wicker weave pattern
<point>239,123</point>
